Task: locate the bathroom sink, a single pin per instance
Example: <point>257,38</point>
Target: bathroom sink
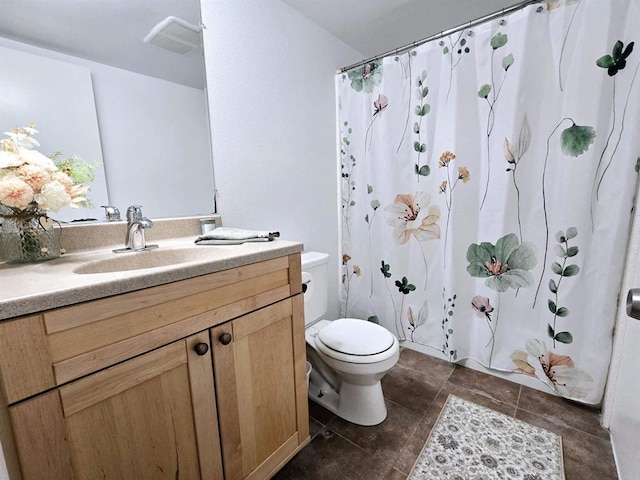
<point>120,262</point>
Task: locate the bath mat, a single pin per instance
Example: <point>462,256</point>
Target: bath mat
<point>470,442</point>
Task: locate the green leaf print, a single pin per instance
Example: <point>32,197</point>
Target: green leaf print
<point>617,60</point>
<point>499,40</point>
<point>404,286</point>
<point>505,265</point>
<point>564,337</point>
<point>564,251</point>
<point>510,279</point>
<point>420,110</point>
<point>367,77</point>
<point>480,255</point>
<point>507,61</point>
<point>423,171</point>
<point>484,91</point>
<point>385,269</point>
<point>506,245</point>
<point>576,139</point>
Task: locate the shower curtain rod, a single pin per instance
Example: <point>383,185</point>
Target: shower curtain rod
<point>436,36</point>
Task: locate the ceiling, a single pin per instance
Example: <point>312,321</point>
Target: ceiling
<point>373,27</point>
<point>111,31</point>
<point>106,31</point>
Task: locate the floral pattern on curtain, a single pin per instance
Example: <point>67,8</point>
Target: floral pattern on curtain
<point>488,179</point>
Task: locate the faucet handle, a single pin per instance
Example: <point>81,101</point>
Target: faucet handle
<point>112,214</point>
<point>134,212</point>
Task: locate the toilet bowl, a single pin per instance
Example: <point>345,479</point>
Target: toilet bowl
<point>348,356</point>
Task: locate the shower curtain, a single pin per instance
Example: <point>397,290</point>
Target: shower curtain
<point>487,183</point>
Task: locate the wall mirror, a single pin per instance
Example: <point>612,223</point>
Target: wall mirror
<point>96,89</point>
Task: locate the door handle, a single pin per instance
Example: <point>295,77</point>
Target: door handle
<point>633,303</point>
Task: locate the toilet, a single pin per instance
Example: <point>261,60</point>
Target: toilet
<point>348,356</point>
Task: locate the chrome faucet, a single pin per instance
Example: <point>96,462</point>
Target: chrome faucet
<point>112,214</point>
<point>136,225</point>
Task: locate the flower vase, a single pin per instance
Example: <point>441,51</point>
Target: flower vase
<point>27,236</point>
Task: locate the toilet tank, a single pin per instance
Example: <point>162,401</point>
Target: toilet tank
<point>315,285</point>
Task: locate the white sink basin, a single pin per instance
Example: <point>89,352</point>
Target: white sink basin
<point>120,262</point>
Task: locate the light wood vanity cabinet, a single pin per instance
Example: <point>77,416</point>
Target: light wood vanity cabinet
<point>202,378</point>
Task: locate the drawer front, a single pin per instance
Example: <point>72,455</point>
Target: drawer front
<point>61,345</point>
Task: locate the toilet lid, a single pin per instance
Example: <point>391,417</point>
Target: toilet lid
<point>355,337</point>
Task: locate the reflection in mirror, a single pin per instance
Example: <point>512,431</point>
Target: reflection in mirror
<point>95,89</point>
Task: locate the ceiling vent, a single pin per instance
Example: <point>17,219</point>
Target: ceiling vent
<point>176,35</point>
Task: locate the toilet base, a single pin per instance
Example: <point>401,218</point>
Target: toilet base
<point>359,404</point>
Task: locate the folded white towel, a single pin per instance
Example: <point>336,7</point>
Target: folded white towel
<point>234,236</point>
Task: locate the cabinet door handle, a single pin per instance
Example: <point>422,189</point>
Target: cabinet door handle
<point>225,338</point>
<point>201,348</point>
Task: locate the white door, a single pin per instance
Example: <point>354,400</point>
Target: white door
<point>622,402</point>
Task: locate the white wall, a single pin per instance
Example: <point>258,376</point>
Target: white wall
<point>270,76</point>
<point>155,139</point>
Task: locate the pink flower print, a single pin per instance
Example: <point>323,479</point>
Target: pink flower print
<point>482,306</point>
<point>380,104</point>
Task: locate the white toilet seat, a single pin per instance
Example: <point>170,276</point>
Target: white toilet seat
<point>356,341</point>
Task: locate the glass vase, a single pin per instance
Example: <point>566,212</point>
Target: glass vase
<point>28,236</point>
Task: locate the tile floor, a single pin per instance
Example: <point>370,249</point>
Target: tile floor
<point>415,391</point>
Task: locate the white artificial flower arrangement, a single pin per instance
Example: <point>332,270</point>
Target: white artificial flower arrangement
<point>30,180</point>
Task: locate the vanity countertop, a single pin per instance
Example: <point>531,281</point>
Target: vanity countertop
<point>30,288</point>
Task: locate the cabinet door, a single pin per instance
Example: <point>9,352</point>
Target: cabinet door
<point>152,417</point>
<point>260,373</point>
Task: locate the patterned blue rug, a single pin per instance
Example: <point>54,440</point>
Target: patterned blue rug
<point>470,442</point>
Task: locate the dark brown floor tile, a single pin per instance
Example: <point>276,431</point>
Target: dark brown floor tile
<point>479,397</point>
<point>586,457</point>
<point>319,413</point>
<point>314,427</point>
<point>385,440</point>
<point>484,384</point>
<point>410,388</point>
<point>412,449</point>
<point>558,409</point>
<point>330,457</point>
<point>431,366</point>
<point>394,474</point>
